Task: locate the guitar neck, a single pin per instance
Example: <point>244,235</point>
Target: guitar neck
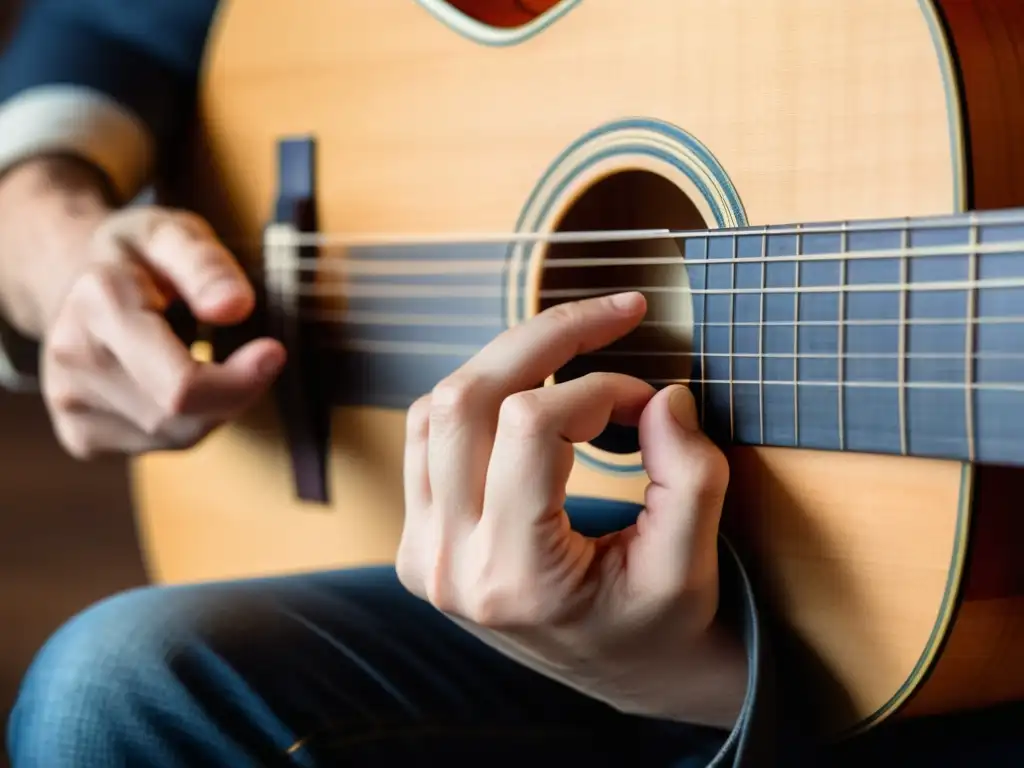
<point>899,337</point>
<point>896,336</point>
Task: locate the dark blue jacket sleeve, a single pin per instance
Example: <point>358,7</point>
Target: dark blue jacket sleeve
<point>145,54</point>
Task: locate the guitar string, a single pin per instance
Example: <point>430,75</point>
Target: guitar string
<point>428,347</point>
<point>358,318</point>
<point>285,234</point>
<point>398,290</point>
<point>370,317</point>
<point>455,350</point>
<point>375,266</point>
<point>349,318</point>
<point>388,267</point>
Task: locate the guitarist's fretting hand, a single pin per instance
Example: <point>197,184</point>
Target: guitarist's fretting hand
<point>486,539</point>
<point>114,376</point>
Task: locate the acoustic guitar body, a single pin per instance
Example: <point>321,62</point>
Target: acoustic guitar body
<point>897,570</point>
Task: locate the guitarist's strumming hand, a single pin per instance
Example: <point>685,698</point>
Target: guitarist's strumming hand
<point>91,283</point>
<point>114,375</point>
<point>625,618</point>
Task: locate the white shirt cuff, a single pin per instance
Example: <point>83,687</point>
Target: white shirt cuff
<point>73,119</point>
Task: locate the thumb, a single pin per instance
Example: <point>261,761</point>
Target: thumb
<point>677,453</point>
<point>678,530</point>
<point>225,389</point>
<point>184,251</point>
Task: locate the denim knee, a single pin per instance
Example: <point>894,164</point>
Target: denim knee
<point>138,679</point>
<point>91,683</point>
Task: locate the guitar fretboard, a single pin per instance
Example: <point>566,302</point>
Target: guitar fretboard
<point>885,337</point>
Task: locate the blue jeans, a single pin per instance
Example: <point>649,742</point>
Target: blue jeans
<point>340,668</point>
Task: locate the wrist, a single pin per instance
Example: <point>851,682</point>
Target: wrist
<point>49,209</point>
<point>714,678</point>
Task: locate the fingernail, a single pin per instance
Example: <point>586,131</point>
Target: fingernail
<point>627,301</point>
<point>270,365</point>
<point>683,408</point>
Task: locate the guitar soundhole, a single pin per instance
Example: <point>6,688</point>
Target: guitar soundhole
<point>659,350</point>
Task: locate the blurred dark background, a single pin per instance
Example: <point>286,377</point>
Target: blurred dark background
<point>67,537</point>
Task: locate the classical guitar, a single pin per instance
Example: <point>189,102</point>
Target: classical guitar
<point>818,199</point>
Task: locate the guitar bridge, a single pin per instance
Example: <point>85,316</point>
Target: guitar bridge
<point>300,391</point>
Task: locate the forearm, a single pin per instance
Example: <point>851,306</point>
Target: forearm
<point>49,207</point>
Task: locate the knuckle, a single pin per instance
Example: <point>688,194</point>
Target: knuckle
<point>196,238</point>
<point>190,224</point>
<point>72,350</point>
<point>79,450</point>
<point>437,589</point>
<point>405,567</point>
<point>417,420</point>
<point>605,380</point>
<point>489,606</point>
<point>66,354</point>
<point>485,608</point>
<point>452,399</point>
<point>66,348</point>
<point>151,221</point>
<point>99,287</point>
<point>408,577</point>
<point>710,471</point>
<point>66,401</point>
<point>523,413</point>
<point>569,313</point>
<point>174,398</point>
<point>75,441</point>
<point>187,242</point>
<point>702,481</point>
<point>503,605</point>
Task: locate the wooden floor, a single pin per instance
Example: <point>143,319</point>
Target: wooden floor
<point>66,537</point>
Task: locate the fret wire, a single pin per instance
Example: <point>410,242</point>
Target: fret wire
<point>840,338</point>
<point>796,340</point>
<point>732,334</point>
<point>760,335</point>
<point>703,339</point>
<point>969,337</point>
<point>901,393</point>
